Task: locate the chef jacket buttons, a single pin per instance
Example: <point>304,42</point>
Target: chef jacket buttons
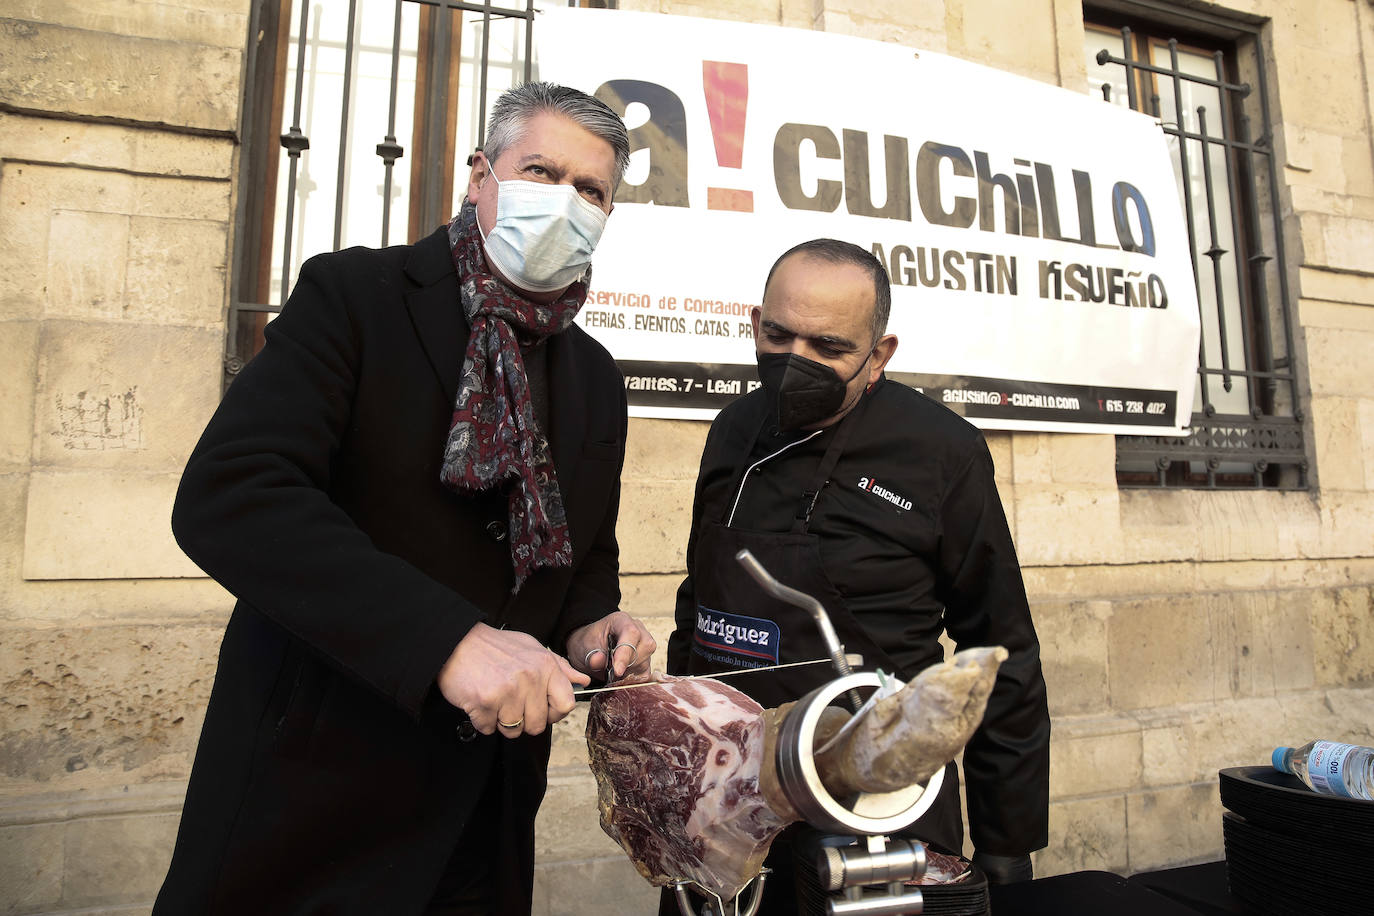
<point>497,530</point>
<point>466,730</point>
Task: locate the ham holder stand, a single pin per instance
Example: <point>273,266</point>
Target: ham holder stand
<point>861,869</point>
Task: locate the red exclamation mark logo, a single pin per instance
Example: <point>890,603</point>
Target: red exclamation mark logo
<point>727,97</point>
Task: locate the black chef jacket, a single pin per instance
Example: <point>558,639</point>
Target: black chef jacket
<point>913,536</point>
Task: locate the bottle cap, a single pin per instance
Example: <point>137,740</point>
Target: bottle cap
<point>1277,759</point>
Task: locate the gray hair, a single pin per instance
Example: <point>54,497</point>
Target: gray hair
<point>838,252</point>
<point>516,106</point>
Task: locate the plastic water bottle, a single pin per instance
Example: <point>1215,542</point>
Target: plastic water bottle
<point>1346,770</point>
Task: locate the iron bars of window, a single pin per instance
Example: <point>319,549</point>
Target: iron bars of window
<point>246,317</point>
<point>1225,448</point>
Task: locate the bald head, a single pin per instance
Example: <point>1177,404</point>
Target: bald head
<point>834,251</point>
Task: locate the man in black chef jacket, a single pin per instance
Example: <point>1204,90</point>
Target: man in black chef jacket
<point>880,502</point>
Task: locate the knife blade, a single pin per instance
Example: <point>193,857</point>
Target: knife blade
<point>855,660</point>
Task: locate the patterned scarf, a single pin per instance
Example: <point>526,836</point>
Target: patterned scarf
<point>494,439</point>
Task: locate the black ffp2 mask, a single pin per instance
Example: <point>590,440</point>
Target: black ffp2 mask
<point>804,392</point>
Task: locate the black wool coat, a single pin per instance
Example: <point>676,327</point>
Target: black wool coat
<point>330,776</point>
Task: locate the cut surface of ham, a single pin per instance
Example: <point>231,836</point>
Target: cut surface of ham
<point>677,768</point>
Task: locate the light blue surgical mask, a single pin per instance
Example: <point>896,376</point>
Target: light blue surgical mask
<point>544,234</point>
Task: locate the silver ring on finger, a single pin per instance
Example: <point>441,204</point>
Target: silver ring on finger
<point>633,658</point>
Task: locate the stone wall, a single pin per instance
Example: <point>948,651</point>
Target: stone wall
<point>1182,631</point>
<point>117,156</point>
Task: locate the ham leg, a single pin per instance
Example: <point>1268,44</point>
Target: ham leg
<point>686,771</point>
<point>907,737</point>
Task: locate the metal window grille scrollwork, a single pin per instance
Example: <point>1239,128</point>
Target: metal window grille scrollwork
<point>438,60</point>
<point>1246,428</point>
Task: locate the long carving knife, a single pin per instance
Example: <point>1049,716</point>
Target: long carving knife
<point>855,660</point>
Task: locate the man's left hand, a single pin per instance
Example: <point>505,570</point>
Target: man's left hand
<point>587,646</point>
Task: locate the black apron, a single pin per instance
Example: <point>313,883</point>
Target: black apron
<point>740,626</point>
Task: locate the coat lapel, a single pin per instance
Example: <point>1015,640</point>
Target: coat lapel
<point>435,311</point>
<point>567,412</point>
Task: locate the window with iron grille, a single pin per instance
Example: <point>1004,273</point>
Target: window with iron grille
<point>1203,76</point>
<point>359,119</point>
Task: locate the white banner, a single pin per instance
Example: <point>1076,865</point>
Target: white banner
<point>1039,261</point>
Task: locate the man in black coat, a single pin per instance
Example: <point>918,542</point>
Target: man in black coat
<point>412,492</point>
<point>880,503</point>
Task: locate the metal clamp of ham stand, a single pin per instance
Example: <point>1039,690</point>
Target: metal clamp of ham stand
<point>717,907</point>
<point>847,869</point>
<point>809,604</point>
<point>871,814</point>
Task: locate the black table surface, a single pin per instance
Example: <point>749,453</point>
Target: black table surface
<point>1192,890</point>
